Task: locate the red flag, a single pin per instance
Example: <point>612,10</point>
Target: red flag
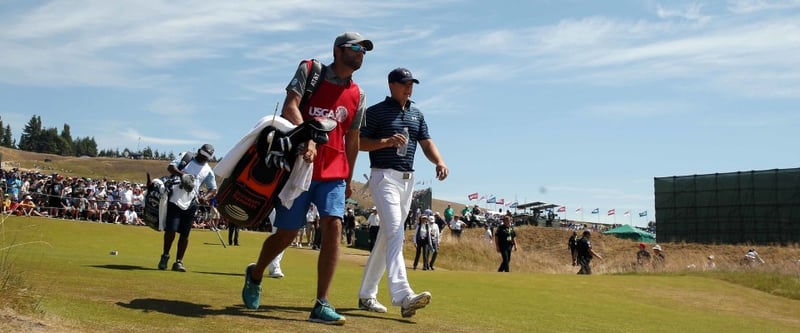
<point>500,202</point>
<point>473,196</point>
<point>562,209</point>
<point>610,212</point>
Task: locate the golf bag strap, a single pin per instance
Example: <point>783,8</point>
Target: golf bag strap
<point>316,73</point>
<point>187,157</point>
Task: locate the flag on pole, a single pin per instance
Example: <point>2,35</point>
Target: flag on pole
<point>501,201</point>
<point>513,205</point>
<point>578,210</point>
<point>627,213</point>
<point>596,211</point>
<point>562,209</point>
<point>482,197</point>
<point>473,196</point>
<point>643,214</point>
<point>611,212</point>
<point>492,199</point>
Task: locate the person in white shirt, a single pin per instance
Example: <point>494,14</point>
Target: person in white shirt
<point>456,225</point>
<point>137,199</point>
<point>374,222</point>
<point>436,238</point>
<point>182,204</point>
<point>131,217</point>
<point>125,196</point>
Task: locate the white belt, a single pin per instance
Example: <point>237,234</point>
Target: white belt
<point>398,174</point>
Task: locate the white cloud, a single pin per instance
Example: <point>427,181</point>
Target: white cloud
<point>114,43</point>
<point>691,12</point>
<point>758,59</point>
<point>751,6</point>
<point>171,107</point>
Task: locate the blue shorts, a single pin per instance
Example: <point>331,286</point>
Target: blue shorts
<point>328,196</point>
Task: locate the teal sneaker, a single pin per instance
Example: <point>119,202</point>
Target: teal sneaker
<point>251,292</point>
<point>325,313</point>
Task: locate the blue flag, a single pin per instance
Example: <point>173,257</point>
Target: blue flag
<point>596,211</point>
<point>643,214</point>
<point>513,205</point>
<point>491,199</point>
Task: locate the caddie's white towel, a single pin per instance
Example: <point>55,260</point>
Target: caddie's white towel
<point>298,182</point>
<point>228,163</point>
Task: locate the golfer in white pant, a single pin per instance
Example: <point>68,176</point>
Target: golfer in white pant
<point>391,185</point>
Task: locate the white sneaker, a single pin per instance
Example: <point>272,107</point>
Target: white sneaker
<point>371,304</point>
<point>414,302</point>
<point>276,273</point>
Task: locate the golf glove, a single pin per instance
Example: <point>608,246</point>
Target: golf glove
<point>187,182</point>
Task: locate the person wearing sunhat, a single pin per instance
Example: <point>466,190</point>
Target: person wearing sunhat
<point>422,241</point>
<point>658,257</point>
<point>182,203</point>
<point>27,207</point>
<point>6,203</point>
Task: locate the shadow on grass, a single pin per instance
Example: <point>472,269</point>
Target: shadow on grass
<point>358,313</point>
<point>141,268</point>
<point>192,310</point>
<point>124,267</point>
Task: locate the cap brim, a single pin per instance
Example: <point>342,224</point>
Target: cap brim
<point>404,80</point>
<point>366,42</point>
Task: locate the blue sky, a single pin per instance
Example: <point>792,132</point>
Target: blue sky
<point>578,103</point>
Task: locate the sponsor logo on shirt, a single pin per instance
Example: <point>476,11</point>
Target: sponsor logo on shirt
<point>340,114</point>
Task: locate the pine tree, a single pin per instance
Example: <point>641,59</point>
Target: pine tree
<point>7,140</point>
<point>67,148</point>
<point>31,134</point>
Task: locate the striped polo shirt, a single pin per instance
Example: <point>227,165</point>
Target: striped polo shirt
<point>387,118</point>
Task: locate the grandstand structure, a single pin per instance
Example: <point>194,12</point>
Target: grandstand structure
<point>743,207</point>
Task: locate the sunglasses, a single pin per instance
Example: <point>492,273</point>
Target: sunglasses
<point>356,47</point>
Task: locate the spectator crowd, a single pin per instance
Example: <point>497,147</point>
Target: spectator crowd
<point>32,193</point>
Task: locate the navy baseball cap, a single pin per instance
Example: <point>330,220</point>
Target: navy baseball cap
<point>401,75</point>
<point>352,38</point>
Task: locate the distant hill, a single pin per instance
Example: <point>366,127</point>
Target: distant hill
<point>129,169</point>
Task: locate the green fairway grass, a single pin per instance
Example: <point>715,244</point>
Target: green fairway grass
<point>81,287</point>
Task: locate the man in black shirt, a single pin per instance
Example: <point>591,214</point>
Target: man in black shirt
<point>505,241</point>
<point>585,253</point>
<point>573,247</point>
<point>349,225</point>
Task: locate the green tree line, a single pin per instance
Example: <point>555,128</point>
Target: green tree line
<point>36,138</point>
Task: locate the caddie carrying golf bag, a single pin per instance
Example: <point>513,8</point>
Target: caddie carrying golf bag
<point>158,190</point>
<point>250,193</point>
